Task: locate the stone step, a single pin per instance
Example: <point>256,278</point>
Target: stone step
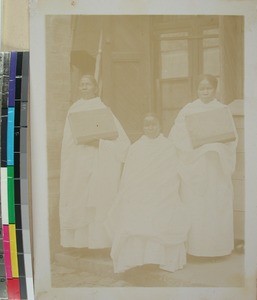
<point>98,268</point>
<point>98,264</point>
<point>95,268</point>
<point>95,271</point>
<point>66,277</point>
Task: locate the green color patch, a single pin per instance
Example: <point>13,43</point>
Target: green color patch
<point>10,184</point>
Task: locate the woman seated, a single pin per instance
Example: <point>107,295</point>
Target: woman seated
<point>148,223</point>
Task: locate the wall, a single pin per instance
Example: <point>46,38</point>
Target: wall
<point>58,95</point>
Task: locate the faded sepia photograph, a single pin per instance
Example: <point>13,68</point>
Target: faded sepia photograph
<point>145,150</point>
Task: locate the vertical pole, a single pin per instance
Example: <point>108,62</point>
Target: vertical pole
<point>98,63</point>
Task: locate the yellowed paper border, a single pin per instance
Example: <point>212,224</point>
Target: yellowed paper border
<point>38,10</point>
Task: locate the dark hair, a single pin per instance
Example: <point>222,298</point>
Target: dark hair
<point>154,115</point>
<point>151,114</point>
<point>92,79</point>
<point>210,78</point>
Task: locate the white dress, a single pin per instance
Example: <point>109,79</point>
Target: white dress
<point>89,181</point>
<point>206,186</point>
<point>148,223</point>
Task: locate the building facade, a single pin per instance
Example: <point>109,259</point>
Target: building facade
<point>143,63</point>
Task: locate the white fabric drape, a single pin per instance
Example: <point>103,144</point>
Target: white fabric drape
<point>89,181</point>
<point>206,186</point>
<point>148,223</point>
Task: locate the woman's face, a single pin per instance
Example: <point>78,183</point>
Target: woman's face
<point>206,91</point>
<point>87,88</point>
<point>151,127</point>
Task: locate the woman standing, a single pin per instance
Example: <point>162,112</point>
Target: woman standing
<point>206,184</point>
<point>89,178</point>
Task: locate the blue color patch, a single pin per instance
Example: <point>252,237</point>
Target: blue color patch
<point>10,137</point>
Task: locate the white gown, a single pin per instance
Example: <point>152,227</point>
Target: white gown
<point>206,186</point>
<point>89,181</point>
<point>148,223</point>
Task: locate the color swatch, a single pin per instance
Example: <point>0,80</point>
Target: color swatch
<point>16,280</point>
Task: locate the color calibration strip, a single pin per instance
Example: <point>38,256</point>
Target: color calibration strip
<point>16,280</point>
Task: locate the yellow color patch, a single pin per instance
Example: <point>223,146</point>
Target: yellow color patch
<point>13,248</point>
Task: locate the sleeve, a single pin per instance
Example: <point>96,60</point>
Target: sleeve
<point>179,134</point>
<point>119,146</point>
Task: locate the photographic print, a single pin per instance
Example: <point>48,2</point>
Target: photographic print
<point>144,65</point>
<point>144,151</point>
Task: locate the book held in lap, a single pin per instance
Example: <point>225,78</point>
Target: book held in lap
<point>213,126</point>
<point>88,126</point>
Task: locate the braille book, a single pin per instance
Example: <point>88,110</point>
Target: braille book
<point>87,126</point>
<point>213,126</point>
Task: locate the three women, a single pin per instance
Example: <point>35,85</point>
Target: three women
<point>167,187</point>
